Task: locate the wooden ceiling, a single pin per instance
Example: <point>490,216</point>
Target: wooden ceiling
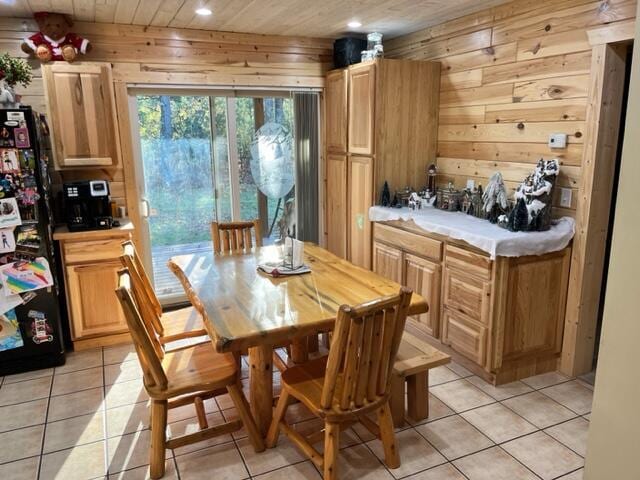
<point>314,18</point>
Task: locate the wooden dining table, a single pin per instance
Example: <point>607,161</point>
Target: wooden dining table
<point>246,309</point>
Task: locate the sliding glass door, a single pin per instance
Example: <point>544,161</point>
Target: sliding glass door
<point>212,158</point>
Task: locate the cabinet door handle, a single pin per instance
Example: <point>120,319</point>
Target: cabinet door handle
<point>145,210</point>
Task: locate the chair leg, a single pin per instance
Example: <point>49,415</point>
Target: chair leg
<point>242,407</point>
<point>274,428</point>
<point>388,437</point>
<point>158,438</point>
<point>331,447</point>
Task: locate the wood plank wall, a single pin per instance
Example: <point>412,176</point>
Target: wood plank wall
<point>157,55</point>
<point>511,75</point>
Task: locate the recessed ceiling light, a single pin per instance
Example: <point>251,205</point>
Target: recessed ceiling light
<point>354,24</point>
<point>204,11</point>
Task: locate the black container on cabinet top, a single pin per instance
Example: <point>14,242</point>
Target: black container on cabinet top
<point>347,50</point>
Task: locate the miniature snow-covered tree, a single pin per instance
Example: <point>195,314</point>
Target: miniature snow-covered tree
<point>519,217</point>
<point>385,198</point>
<point>495,198</point>
<point>537,192</point>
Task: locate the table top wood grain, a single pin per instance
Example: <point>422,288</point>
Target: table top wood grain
<point>246,308</point>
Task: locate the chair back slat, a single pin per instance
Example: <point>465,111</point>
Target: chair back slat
<point>142,288</point>
<point>236,236</point>
<point>147,346</point>
<point>193,297</point>
<point>362,353</point>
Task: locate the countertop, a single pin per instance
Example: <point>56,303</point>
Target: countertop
<point>494,240</point>
<point>125,229</point>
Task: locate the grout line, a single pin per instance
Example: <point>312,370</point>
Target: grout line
<point>105,450</point>
<point>46,418</point>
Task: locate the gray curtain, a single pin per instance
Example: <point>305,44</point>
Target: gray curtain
<point>306,107</point>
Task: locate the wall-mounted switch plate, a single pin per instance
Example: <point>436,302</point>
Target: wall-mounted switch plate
<point>471,184</point>
<point>558,140</point>
<point>565,197</point>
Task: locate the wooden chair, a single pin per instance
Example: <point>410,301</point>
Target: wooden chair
<point>235,236</point>
<point>169,326</point>
<point>179,377</point>
<point>354,380</point>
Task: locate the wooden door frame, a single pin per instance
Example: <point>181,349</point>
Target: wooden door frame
<point>604,111</point>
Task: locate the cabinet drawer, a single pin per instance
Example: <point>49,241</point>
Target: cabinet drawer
<point>467,261</point>
<point>92,250</point>
<point>467,294</point>
<point>409,242</point>
<point>464,335</point>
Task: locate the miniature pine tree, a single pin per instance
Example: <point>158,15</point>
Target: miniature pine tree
<point>385,199</point>
<point>519,217</point>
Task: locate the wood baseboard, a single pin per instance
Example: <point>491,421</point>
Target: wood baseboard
<point>104,341</point>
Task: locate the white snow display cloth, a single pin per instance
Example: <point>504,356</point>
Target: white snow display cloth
<point>496,241</point>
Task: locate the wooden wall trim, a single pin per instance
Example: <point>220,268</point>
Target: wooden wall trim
<point>618,32</point>
<point>594,205</point>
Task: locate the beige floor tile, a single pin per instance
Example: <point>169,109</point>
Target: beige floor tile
<point>501,392</point>
<point>454,437</point>
<point>284,454</point>
<point>459,369</point>
<point>74,404</point>
<point>127,419</point>
<point>577,475</point>
<point>119,353</point>
<point>545,380</point>
<point>74,431</point>
<point>300,471</point>
<point>26,469</point>
<point>129,451</point>
<point>443,472</point>
<point>24,415</point>
<point>417,454</point>
<point>498,422</point>
<point>22,443</point>
<point>27,390</point>
<point>440,375</point>
<point>76,381</point>
<point>78,463</point>
<point>587,417</point>
<point>188,411</point>
<point>142,473</point>
<point>122,372</point>
<point>358,463</point>
<point>298,413</point>
<point>461,395</point>
<point>222,462</point>
<point>185,427</point>
<point>573,434</point>
<point>572,395</point>
<point>539,409</point>
<point>125,393</point>
<point>81,360</point>
<point>21,377</point>
<point>493,464</point>
<point>348,438</point>
<point>545,456</point>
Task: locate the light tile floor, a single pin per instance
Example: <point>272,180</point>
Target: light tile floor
<point>89,419</point>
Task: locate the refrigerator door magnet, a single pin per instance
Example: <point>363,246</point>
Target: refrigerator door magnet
<point>21,137</point>
<point>9,213</point>
<point>10,336</point>
<point>7,240</point>
<point>24,276</point>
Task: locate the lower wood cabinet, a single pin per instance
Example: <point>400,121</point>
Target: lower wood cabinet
<point>91,261</point>
<point>423,276</point>
<point>502,317</point>
<point>93,311</point>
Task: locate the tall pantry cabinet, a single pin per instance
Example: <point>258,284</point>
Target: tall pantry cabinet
<point>381,123</point>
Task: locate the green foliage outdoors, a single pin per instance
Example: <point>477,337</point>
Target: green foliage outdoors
<point>175,134</point>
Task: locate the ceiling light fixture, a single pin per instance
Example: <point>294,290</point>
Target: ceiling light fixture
<point>204,12</point>
<point>354,24</point>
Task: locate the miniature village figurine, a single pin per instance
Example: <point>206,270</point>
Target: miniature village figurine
<point>536,193</point>
<point>495,198</point>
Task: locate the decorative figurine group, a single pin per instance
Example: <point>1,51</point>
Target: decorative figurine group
<point>531,210</point>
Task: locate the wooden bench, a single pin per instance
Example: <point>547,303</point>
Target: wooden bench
<point>415,358</point>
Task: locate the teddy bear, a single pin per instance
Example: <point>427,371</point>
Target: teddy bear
<point>54,41</point>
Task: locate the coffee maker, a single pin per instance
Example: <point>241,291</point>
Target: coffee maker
<point>87,205</point>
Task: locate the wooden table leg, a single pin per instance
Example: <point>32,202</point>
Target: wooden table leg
<point>299,350</point>
<point>418,396</point>
<point>261,386</point>
<point>397,400</point>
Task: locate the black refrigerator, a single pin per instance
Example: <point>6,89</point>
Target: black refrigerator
<point>30,325</point>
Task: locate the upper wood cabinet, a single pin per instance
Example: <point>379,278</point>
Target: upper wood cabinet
<point>82,110</point>
<point>362,84</point>
<point>336,111</point>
